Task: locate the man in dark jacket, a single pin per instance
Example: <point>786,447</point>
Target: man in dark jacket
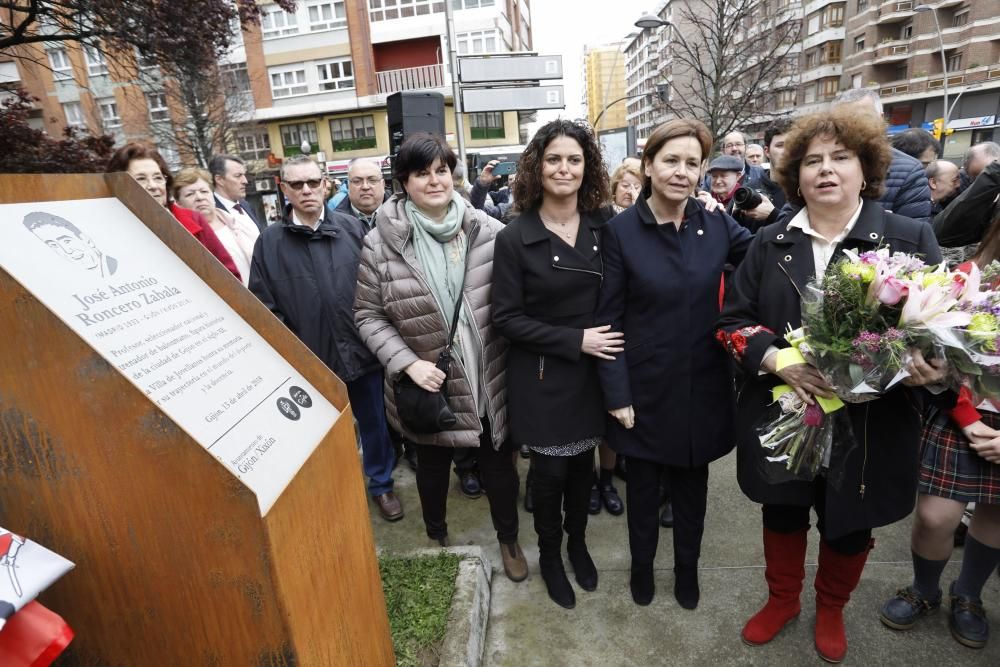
<point>305,270</point>
<point>962,224</point>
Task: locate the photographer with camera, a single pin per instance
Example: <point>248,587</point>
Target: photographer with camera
<point>746,204</point>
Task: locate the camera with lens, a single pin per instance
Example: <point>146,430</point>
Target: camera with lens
<point>747,199</point>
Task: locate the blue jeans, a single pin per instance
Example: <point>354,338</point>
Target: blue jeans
<point>377,453</point>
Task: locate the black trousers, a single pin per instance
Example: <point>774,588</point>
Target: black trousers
<point>689,495</point>
<point>496,472</point>
<point>793,518</point>
<point>465,459</point>
<point>560,490</point>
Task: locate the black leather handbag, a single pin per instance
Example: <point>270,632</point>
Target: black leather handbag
<point>423,411</point>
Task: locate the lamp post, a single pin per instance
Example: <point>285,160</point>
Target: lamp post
<point>954,102</point>
<point>945,111</point>
<point>646,22</point>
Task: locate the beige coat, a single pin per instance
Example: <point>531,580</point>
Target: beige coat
<point>401,322</point>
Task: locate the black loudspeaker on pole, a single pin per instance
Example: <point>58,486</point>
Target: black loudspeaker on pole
<point>413,111</point>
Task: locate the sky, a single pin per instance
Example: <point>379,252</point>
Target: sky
<point>566,26</point>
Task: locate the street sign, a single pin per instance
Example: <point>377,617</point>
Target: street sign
<point>476,100</point>
<point>494,69</point>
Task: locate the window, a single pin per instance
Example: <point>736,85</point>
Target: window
<point>856,81</point>
<point>906,31</point>
<point>859,44</point>
<point>276,22</point>
<point>832,52</point>
<point>170,155</point>
<point>833,16</point>
<point>326,15</point>
<point>157,103</point>
<point>961,18</point>
<point>62,69</point>
<point>786,99</point>
<point>235,79</point>
<point>901,73</point>
<point>144,61</point>
<point>810,95</point>
<point>335,74</point>
<point>254,145</point>
<point>96,64</point>
<point>110,119</point>
<point>487,125</point>
<point>293,135</point>
<point>471,4</point>
<point>386,10</point>
<point>354,133</point>
<point>811,59</point>
<point>74,115</point>
<point>479,41</point>
<point>862,5</point>
<point>954,62</point>
<point>288,82</point>
<point>813,25</point>
<point>831,87</point>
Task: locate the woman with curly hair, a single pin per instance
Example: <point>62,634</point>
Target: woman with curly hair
<point>547,272</point>
<point>670,392</point>
<point>834,167</point>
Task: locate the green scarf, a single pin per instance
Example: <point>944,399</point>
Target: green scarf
<point>440,249</point>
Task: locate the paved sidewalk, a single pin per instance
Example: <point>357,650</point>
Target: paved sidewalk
<point>606,628</point>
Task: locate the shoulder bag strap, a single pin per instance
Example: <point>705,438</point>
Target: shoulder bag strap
<point>446,352</point>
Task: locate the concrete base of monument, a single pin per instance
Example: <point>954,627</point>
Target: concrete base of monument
<point>465,639</point>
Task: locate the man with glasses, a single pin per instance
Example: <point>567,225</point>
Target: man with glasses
<point>305,270</point>
<point>365,191</point>
<point>735,144</point>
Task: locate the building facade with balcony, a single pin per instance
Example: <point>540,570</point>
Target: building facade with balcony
<point>604,82</point>
<point>896,48</point>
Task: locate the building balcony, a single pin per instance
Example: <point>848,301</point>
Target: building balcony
<point>891,88</point>
<point>411,78</point>
<point>895,11</point>
<point>891,52</point>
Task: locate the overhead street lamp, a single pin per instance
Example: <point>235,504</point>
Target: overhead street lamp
<point>954,102</point>
<point>945,111</point>
<point>648,22</point>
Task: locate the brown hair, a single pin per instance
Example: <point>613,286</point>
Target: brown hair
<point>672,129</point>
<point>619,175</point>
<point>989,247</point>
<point>188,176</point>
<point>595,190</point>
<point>862,133</point>
<point>140,150</point>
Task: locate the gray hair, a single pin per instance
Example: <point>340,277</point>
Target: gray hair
<point>217,165</point>
<point>749,146</point>
<point>296,160</point>
<point>370,160</point>
<point>933,169</point>
<point>987,148</point>
<point>855,95</point>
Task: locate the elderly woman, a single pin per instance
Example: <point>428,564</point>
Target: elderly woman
<point>429,253</point>
<point>834,166</point>
<point>670,392</point>
<point>547,273</point>
<point>145,164</point>
<point>626,184</point>
<point>191,190</point>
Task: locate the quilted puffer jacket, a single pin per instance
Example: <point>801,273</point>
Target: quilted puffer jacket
<point>401,322</point>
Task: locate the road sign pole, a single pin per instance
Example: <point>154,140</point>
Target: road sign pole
<point>456,86</point>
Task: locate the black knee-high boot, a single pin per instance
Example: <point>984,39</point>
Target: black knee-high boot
<point>577,497</point>
<point>547,494</point>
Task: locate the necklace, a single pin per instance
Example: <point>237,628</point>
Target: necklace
<point>565,230</point>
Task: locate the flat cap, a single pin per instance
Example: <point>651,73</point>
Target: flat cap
<point>726,163</point>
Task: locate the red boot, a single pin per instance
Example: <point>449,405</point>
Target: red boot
<point>836,579</point>
<point>785,554</point>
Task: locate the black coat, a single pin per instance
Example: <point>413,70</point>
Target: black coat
<point>544,296</point>
<point>764,293</point>
<point>661,288</point>
<point>307,279</point>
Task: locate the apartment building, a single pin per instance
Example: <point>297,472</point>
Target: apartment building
<point>896,48</point>
<point>319,75</point>
<point>604,83</point>
<point>646,56</point>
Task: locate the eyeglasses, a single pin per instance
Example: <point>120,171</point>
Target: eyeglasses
<point>371,180</point>
<point>313,183</point>
<point>734,145</point>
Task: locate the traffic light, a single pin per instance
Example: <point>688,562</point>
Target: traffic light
<point>938,124</point>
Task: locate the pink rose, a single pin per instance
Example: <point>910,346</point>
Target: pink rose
<point>891,291</point>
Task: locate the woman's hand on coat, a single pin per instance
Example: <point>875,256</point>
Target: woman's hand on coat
<point>426,375</point>
<point>625,416</point>
<point>924,371</point>
<point>710,203</point>
<point>803,378</point>
<point>602,343</point>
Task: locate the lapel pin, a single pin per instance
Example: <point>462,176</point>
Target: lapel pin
<point>700,232</point>
<point>788,258</point>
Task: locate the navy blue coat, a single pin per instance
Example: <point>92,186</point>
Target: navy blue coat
<point>661,288</point>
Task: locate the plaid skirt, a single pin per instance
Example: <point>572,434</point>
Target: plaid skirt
<point>949,468</point>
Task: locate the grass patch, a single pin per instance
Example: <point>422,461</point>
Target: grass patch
<point>418,594</point>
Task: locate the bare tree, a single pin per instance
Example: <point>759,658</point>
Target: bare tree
<point>726,59</point>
